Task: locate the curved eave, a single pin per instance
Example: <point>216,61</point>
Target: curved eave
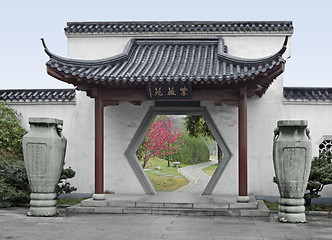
<point>236,60</point>
<point>119,57</point>
<point>231,70</point>
<point>262,80</point>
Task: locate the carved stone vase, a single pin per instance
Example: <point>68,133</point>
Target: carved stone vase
<point>44,150</point>
<point>292,162</point>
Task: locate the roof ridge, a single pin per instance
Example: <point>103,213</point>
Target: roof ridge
<point>58,95</point>
<point>296,94</point>
<point>178,26</point>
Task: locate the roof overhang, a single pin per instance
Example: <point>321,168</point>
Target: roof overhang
<point>203,63</point>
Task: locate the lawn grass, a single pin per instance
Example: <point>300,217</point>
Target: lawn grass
<point>210,169</point>
<point>69,201</point>
<point>158,162</point>
<point>165,183</point>
<point>271,205</point>
<point>161,182</point>
<point>312,207</point>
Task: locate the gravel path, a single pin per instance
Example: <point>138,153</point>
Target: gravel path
<point>197,178</point>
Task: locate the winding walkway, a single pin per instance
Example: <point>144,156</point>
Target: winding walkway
<point>197,178</point>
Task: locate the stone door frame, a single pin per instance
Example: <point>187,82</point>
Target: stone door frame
<point>136,141</point>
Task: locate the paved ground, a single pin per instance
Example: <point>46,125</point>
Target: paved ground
<point>14,224</point>
<point>197,178</point>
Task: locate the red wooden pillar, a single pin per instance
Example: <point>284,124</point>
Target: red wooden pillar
<point>99,146</point>
<point>242,119</point>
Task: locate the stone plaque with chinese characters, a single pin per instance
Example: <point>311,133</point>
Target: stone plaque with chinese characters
<point>169,91</point>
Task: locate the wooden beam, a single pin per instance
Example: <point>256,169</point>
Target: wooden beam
<point>242,121</point>
<point>110,103</point>
<point>99,146</point>
<point>138,94</point>
<point>136,103</point>
<point>231,103</point>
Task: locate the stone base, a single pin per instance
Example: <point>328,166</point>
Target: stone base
<point>242,199</point>
<point>42,205</point>
<point>98,197</point>
<point>42,211</point>
<point>291,210</point>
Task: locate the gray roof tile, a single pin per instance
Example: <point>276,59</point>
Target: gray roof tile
<point>179,26</point>
<point>160,60</point>
<point>44,95</point>
<point>307,94</point>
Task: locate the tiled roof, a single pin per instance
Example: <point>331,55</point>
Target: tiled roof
<point>38,95</point>
<point>160,60</point>
<point>179,26</point>
<point>305,94</point>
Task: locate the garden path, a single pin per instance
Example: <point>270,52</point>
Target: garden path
<point>197,178</point>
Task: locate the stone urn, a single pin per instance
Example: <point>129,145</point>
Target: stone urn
<point>292,162</point>
<point>44,150</point>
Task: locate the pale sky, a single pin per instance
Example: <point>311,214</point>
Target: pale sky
<point>23,23</point>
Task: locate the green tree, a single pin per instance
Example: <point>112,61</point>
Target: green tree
<point>14,185</point>
<point>197,127</point>
<point>11,132</point>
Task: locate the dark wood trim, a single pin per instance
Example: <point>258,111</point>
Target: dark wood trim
<point>138,94</point>
<point>99,146</point>
<point>242,121</point>
<point>110,103</point>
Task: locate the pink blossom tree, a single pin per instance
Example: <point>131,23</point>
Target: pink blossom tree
<point>162,140</point>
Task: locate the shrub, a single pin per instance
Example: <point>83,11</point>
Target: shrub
<point>64,185</point>
<point>14,184</point>
<point>194,150</point>
<point>320,175</point>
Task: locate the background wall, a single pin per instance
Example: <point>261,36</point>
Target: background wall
<point>122,121</point>
<point>319,116</point>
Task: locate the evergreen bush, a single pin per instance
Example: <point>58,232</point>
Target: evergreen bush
<point>320,175</point>
<point>14,184</point>
<point>193,151</point>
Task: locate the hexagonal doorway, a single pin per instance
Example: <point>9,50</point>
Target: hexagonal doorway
<point>144,127</point>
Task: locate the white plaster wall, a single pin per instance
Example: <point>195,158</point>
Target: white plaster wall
<point>60,111</point>
<point>226,120</point>
<point>78,128</point>
<point>121,123</point>
<point>255,46</point>
<point>319,122</point>
<point>80,151</point>
<point>96,48</point>
<point>263,114</point>
<point>91,48</point>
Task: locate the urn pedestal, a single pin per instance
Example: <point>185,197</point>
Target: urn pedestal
<point>44,150</point>
<point>292,163</point>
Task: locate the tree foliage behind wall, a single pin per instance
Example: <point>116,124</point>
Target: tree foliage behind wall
<point>320,175</point>
<point>14,184</point>
<point>194,150</point>
<point>11,132</point>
